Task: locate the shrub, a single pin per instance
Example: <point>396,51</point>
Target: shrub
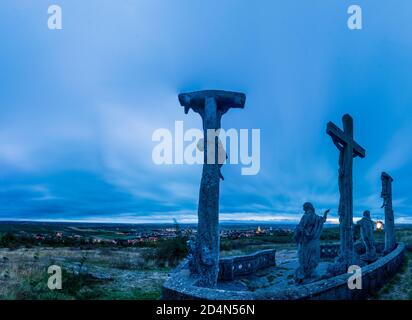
<point>79,286</point>
<point>330,234</point>
<point>170,252</point>
<point>8,240</point>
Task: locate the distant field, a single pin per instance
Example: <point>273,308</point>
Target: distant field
<point>117,272</point>
<point>83,229</point>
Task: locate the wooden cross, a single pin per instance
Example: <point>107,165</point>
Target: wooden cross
<point>349,149</point>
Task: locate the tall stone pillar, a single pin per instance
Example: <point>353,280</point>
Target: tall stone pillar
<point>211,105</point>
<point>390,237</point>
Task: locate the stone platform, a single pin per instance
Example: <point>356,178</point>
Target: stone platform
<point>232,267</point>
<point>276,282</point>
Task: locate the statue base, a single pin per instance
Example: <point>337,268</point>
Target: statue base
<point>276,282</point>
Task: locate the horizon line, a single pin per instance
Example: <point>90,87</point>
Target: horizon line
<point>226,221</point>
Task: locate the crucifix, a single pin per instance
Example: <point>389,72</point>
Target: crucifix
<point>348,149</point>
<point>211,105</point>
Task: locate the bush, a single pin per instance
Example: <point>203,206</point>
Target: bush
<point>8,240</point>
<point>170,252</point>
<point>409,246</point>
<point>79,286</point>
<point>331,234</point>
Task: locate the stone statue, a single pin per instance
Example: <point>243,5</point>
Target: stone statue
<point>211,105</point>
<point>366,229</point>
<point>390,237</point>
<point>348,149</point>
<point>221,152</point>
<point>307,236</point>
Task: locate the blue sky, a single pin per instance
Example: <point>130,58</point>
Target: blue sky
<point>78,106</point>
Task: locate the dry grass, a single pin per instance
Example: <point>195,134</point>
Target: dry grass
<point>133,273</point>
<point>400,287</point>
<point>128,275</point>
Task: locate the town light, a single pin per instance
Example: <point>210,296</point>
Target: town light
<point>379,225</point>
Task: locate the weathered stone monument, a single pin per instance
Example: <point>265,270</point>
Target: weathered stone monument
<point>348,149</point>
<point>210,105</point>
<point>307,236</point>
<point>390,238</point>
<point>256,276</point>
<point>366,228</point>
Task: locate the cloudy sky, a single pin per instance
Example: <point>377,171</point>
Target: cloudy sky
<point>78,106</point>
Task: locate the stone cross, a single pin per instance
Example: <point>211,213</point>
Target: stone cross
<point>348,149</point>
<point>390,239</point>
<point>211,105</point>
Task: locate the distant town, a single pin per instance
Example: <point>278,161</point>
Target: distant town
<point>123,235</point>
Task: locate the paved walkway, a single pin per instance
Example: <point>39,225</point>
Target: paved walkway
<point>278,276</point>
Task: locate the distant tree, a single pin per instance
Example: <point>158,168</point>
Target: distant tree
<point>177,228</point>
<point>170,252</point>
<point>8,240</point>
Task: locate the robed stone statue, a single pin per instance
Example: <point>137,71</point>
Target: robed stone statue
<point>307,236</point>
<point>366,229</point>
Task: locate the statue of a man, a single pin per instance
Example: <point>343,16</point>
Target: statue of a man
<point>341,177</point>
<point>307,237</point>
<point>366,229</point>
